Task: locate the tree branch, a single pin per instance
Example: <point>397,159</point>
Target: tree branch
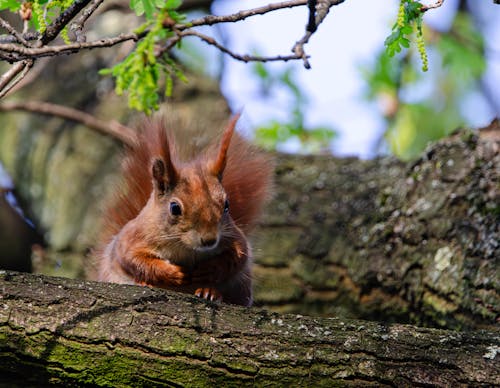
<point>9,80</point>
<point>112,128</point>
<point>17,36</point>
<point>77,27</point>
<point>64,18</point>
<point>12,52</point>
<point>318,9</point>
<point>322,9</point>
<point>245,58</point>
<point>87,333</point>
<point>437,4</point>
<point>241,15</point>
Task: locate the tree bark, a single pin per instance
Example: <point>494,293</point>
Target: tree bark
<point>384,240</point>
<point>71,332</point>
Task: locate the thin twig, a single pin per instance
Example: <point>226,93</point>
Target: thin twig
<point>111,128</point>
<point>19,38</point>
<point>12,77</point>
<point>62,20</point>
<point>298,49</point>
<point>12,52</point>
<point>241,15</point>
<point>437,4</point>
<point>322,9</point>
<point>30,36</point>
<point>244,58</point>
<point>77,26</point>
<point>311,22</point>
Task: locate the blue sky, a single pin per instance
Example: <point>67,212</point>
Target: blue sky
<point>350,37</point>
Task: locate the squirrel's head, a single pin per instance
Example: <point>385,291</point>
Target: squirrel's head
<point>193,204</point>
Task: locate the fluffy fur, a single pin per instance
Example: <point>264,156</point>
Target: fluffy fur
<point>199,247</point>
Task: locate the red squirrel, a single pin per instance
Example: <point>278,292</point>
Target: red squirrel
<point>182,225</point>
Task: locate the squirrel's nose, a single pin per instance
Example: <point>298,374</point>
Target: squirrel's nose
<point>208,242</point>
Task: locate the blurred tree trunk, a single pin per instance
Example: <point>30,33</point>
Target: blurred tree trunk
<point>75,333</point>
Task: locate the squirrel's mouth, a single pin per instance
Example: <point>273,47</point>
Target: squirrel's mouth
<point>203,248</point>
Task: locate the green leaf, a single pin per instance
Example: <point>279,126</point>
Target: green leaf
<point>137,6</point>
<point>407,29</point>
<point>172,4</point>
<point>149,9</point>
<point>11,5</point>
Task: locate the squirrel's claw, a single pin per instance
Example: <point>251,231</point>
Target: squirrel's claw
<point>208,293</point>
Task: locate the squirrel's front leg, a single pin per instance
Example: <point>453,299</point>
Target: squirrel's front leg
<point>224,266</point>
<point>147,269</point>
<point>225,277</point>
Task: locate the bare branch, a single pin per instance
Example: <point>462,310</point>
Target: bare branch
<point>437,4</point>
<point>9,80</point>
<point>322,9</point>
<point>13,53</point>
<point>62,20</point>
<point>27,37</point>
<point>311,22</point>
<point>111,128</point>
<point>245,58</point>
<point>241,15</point>
<point>77,26</point>
<point>18,37</point>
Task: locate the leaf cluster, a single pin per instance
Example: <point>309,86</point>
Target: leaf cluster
<point>409,19</point>
<point>414,119</point>
<point>142,71</point>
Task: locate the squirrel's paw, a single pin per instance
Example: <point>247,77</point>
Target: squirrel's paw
<point>178,276</point>
<point>209,293</point>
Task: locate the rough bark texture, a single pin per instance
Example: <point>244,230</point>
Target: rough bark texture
<point>383,240</point>
<point>69,332</point>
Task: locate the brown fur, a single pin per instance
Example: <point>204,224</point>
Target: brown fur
<point>204,250</point>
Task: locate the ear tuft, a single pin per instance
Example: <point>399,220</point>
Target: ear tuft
<point>159,175</point>
<point>219,163</point>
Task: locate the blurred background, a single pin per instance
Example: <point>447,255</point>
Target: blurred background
<point>355,100</point>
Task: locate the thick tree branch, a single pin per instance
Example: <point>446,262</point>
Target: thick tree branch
<point>73,333</point>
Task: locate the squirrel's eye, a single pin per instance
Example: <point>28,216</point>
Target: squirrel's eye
<point>226,206</point>
<point>175,209</point>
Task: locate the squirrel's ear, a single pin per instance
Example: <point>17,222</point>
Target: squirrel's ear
<point>217,167</point>
<point>164,176</point>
